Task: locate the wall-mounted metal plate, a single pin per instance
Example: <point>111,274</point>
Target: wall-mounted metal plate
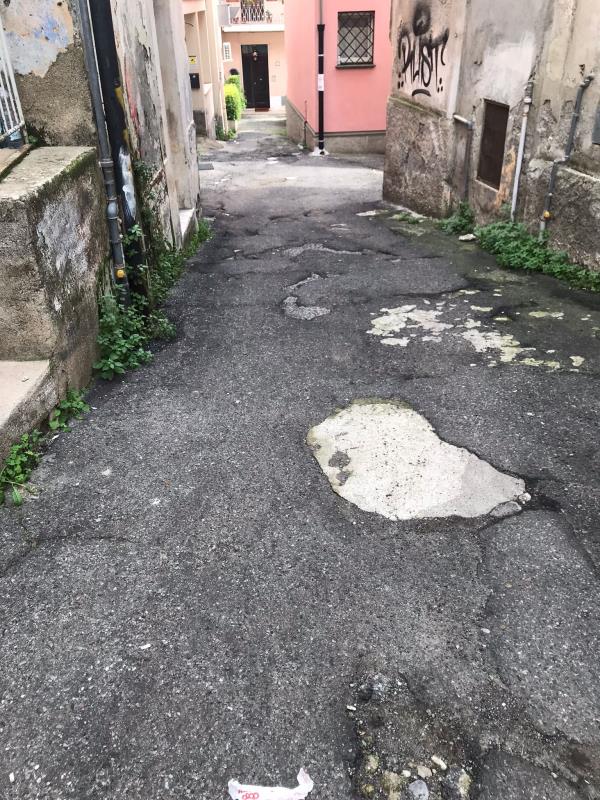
<point>195,80</point>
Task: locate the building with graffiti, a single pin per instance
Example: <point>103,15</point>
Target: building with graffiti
<point>90,94</point>
<point>497,105</point>
<point>343,98</point>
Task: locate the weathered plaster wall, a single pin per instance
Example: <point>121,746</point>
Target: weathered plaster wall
<point>181,130</point>
<point>572,51</point>
<point>48,61</point>
<point>502,48</point>
<point>427,38</point>
<point>137,47</point>
<point>53,246</point>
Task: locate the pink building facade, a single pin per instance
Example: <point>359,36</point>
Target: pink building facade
<point>358,64</point>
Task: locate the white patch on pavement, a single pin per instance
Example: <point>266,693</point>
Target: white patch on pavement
<point>396,319</point>
<point>387,459</point>
<point>577,360</point>
<point>482,341</point>
<point>544,314</point>
<point>431,329</point>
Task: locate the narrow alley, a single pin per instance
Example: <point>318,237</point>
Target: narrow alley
<point>221,578</point>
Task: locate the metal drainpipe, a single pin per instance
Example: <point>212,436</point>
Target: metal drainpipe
<point>106,162</point>
<point>527,101</point>
<point>321,79</point>
<point>470,126</point>
<point>547,213</point>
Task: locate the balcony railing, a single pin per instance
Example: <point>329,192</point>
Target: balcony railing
<point>11,115</point>
<point>258,11</point>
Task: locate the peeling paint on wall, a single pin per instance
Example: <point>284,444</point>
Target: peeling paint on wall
<point>37,32</point>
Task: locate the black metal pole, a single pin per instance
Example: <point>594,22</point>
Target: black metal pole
<point>321,86</point>
<point>110,80</point>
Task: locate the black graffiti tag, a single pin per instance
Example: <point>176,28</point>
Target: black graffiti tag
<point>420,54</point>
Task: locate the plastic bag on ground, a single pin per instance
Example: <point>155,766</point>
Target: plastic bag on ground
<point>240,791</point>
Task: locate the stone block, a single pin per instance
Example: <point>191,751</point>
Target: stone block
<point>53,246</point>
<point>418,158</point>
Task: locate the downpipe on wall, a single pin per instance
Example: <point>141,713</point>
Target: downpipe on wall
<point>470,126</point>
<point>527,101</point>
<point>321,78</point>
<point>547,213</point>
<point>106,162</point>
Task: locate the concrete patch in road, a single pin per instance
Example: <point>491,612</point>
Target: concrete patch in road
<point>387,459</point>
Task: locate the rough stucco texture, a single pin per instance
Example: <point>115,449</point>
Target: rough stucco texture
<point>575,209</point>
<point>49,70</point>
<point>53,243</point>
<point>417,159</point>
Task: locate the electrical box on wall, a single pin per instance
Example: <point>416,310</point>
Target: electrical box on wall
<point>195,80</point>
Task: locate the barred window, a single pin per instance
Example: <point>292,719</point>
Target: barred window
<point>356,30</point>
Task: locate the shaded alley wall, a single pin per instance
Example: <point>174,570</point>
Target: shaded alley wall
<point>457,58</point>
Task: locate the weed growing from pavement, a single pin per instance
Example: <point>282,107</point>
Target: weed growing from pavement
<point>127,329</point>
<point>461,222</point>
<point>222,136</point>
<point>25,454</point>
<point>22,458</point>
<point>516,248</point>
<point>410,219</point>
<point>72,407</point>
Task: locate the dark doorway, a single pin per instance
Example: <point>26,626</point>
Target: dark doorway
<point>255,65</point>
<point>493,138</point>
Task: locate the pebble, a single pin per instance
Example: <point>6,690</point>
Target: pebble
<point>456,784</point>
<point>440,763</point>
<point>418,790</point>
<point>423,771</point>
<point>506,509</point>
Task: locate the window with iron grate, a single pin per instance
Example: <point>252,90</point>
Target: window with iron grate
<point>356,32</point>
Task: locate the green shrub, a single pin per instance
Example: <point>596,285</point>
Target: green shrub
<point>516,248</point>
<point>461,222</point>
<point>235,80</point>
<point>233,102</point>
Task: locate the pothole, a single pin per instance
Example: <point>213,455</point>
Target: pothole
<point>295,311</point>
<point>293,252</point>
<point>310,279</point>
<point>386,459</point>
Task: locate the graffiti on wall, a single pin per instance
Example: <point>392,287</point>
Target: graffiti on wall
<point>421,55</point>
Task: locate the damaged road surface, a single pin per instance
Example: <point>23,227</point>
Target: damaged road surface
<point>348,521</point>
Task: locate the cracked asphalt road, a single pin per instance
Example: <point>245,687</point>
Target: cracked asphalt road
<point>189,601</point>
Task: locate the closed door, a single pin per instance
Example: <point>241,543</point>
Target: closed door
<point>255,65</point>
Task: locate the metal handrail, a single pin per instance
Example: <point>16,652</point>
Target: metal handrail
<point>11,113</point>
<point>252,11</point>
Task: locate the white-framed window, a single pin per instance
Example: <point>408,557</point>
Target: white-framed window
<point>227,55</point>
